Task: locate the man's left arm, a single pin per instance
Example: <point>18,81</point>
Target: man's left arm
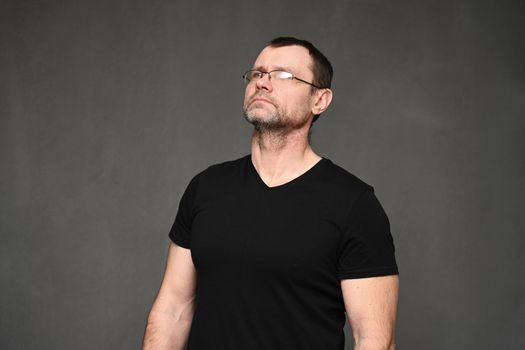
<point>371,307</point>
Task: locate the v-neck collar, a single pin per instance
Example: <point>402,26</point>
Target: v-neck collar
<point>286,184</point>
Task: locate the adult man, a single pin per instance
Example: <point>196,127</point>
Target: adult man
<point>282,241</point>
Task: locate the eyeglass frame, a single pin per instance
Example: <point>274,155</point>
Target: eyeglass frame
<point>292,76</point>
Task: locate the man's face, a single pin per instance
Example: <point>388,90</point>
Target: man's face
<point>280,105</point>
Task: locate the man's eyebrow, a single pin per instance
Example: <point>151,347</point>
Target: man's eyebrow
<point>261,68</point>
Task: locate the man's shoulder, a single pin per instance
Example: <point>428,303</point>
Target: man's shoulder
<point>224,166</point>
<point>341,179</point>
<point>225,169</point>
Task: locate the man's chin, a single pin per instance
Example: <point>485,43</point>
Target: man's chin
<point>264,121</point>
<point>260,118</point>
<point>258,114</point>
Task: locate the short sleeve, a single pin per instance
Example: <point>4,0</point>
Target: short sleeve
<point>366,248</point>
<point>180,232</point>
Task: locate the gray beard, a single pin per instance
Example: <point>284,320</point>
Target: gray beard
<point>274,123</point>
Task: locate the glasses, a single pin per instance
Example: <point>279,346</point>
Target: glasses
<point>275,75</point>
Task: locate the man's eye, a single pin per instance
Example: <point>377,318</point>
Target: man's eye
<point>283,75</point>
<point>256,75</point>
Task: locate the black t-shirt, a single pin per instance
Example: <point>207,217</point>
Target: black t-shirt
<point>269,260</point>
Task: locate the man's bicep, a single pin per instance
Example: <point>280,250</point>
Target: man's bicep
<point>180,277</point>
<point>371,306</point>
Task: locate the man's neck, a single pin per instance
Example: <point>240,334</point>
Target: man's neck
<point>279,157</point>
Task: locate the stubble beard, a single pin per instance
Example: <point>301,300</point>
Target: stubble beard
<point>276,121</point>
<point>265,121</point>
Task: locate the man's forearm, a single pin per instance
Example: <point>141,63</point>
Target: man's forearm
<point>167,330</point>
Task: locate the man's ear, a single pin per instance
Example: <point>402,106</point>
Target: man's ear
<point>323,98</point>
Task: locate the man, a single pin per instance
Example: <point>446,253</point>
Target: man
<point>269,250</point>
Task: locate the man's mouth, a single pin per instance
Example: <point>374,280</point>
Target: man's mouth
<point>260,99</point>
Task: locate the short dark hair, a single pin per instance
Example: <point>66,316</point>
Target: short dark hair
<point>322,69</point>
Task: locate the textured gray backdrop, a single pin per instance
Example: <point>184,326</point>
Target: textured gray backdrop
<point>108,108</point>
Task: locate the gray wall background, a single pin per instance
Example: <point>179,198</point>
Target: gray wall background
<point>108,108</point>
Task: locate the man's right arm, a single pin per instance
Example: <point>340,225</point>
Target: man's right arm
<point>170,318</point>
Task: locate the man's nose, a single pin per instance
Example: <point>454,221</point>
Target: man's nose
<point>264,82</point>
